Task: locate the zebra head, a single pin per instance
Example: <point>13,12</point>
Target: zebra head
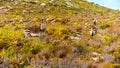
<point>93,29</point>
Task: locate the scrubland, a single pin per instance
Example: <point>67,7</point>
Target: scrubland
<point>67,42</point>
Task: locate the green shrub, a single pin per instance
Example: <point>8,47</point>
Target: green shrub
<point>62,31</point>
<point>35,48</point>
<point>18,26</point>
<point>29,45</point>
<point>8,38</point>
<point>106,39</point>
<point>81,47</point>
<point>27,66</point>
<point>116,53</point>
<point>112,66</point>
<point>104,26</point>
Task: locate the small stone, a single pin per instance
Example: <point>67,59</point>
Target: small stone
<point>108,58</point>
<point>43,4</point>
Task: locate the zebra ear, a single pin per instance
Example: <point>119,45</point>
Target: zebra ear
<point>42,19</point>
<point>95,22</point>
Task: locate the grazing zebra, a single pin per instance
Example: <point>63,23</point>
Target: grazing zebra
<point>93,29</point>
<point>35,31</point>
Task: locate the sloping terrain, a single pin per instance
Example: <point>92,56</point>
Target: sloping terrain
<point>67,42</point>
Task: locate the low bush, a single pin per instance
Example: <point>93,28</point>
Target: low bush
<point>112,66</point>
<point>104,26</point>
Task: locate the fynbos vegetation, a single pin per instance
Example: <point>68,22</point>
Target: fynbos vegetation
<point>58,34</point>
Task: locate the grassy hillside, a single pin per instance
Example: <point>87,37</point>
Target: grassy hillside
<point>67,42</point>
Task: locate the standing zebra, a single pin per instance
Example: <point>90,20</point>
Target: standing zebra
<point>35,31</point>
<point>93,29</point>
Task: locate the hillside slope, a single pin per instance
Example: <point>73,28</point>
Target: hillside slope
<point>67,42</point>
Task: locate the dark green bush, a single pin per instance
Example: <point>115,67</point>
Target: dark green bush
<point>104,26</point>
<point>112,66</point>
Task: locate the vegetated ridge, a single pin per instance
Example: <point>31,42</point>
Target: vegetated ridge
<point>67,42</point>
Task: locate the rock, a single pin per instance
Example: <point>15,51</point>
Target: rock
<point>51,1</point>
<point>75,49</point>
<point>95,59</point>
<point>6,62</point>
<point>24,11</point>
<point>109,48</point>
<point>2,7</point>
<point>43,4</point>
<point>75,38</point>
<point>95,53</point>
<point>9,7</point>
<point>84,65</point>
<point>69,4</point>
<point>107,57</point>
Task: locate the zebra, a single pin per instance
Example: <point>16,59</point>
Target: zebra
<point>93,29</point>
<point>29,31</point>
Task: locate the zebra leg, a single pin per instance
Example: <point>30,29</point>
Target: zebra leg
<point>26,34</point>
<point>41,35</point>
